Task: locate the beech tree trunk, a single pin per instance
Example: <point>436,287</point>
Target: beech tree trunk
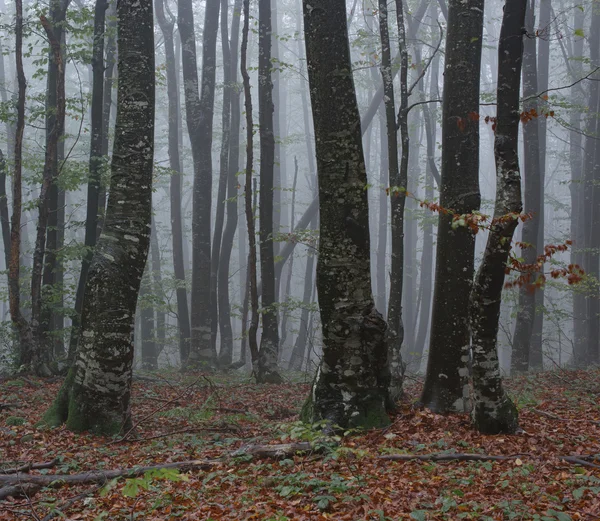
<point>397,184</point>
<point>266,371</point>
<point>591,200</point>
<point>96,394</point>
<point>351,386</point>
<point>98,137</point>
<point>446,387</point>
<point>199,111</point>
<point>521,358</point>
<point>233,166</point>
<point>576,187</point>
<point>299,350</point>
<point>183,317</point>
<point>252,291</point>
<point>493,411</point>
<point>4,220</point>
<point>51,291</point>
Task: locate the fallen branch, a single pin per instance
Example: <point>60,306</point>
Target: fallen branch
<point>8,406</point>
<point>97,476</point>
<point>457,456</point>
<point>275,451</point>
<point>555,417</point>
<point>19,491</point>
<point>577,459</point>
<point>31,466</point>
<point>57,480</point>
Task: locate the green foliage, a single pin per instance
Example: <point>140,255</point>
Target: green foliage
<point>134,485</point>
<point>14,421</point>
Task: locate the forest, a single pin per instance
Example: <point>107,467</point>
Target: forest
<point>300,259</point>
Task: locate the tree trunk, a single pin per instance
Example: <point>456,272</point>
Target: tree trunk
<point>96,395</point>
<point>222,187</point>
<point>147,328</point>
<point>493,411</point>
<point>251,269</point>
<point>4,212</point>
<point>183,317</point>
<point>199,111</point>
<point>36,355</point>
<point>522,355</point>
<point>233,164</point>
<point>299,351</point>
<point>51,292</point>
<point>109,80</point>
<point>98,137</point>
<point>591,200</point>
<point>159,297</point>
<point>446,387</point>
<point>543,65</point>
<point>431,173</point>
<point>288,283</point>
<point>269,345</point>
<point>351,386</point>
<point>576,188</point>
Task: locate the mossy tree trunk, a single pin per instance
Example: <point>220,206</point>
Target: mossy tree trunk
<point>351,386</point>
<point>493,411</point>
<point>446,383</point>
<point>96,395</point>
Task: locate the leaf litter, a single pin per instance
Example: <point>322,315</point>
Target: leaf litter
<point>217,418</point>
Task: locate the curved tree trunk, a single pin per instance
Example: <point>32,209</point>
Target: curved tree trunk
<point>233,164</point>
<point>446,387</point>
<point>96,395</point>
<point>351,386</point>
<point>493,411</point>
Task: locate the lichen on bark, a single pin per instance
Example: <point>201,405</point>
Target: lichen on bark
<point>96,394</point>
<point>351,386</point>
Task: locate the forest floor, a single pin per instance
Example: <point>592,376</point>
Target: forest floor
<point>201,417</point>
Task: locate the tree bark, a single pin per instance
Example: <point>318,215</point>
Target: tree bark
<point>183,317</point>
<point>251,270</point>
<point>543,66</point>
<point>522,355</point>
<point>266,371</point>
<point>591,200</point>
<point>96,394</point>
<point>493,411</point>
<point>199,112</point>
<point>96,163</point>
<point>446,387</point>
<point>4,220</point>
<point>576,188</point>
<point>159,297</point>
<point>299,351</point>
<point>351,386</point>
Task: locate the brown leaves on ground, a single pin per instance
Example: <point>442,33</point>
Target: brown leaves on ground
<point>183,418</point>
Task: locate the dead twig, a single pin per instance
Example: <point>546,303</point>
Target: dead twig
<point>555,417</point>
<point>31,466</point>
